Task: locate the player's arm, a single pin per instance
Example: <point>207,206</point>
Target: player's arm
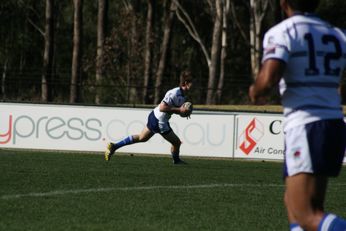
<point>164,107</point>
<point>268,76</point>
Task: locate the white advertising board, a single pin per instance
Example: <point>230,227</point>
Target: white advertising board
<point>259,137</point>
<point>86,128</point>
<point>83,128</point>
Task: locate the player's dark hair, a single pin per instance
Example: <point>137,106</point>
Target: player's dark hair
<point>185,76</point>
<point>304,5</point>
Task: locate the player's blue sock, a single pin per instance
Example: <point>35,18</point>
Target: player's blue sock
<point>128,140</point>
<point>295,227</point>
<point>330,222</point>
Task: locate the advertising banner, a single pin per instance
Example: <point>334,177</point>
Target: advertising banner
<point>259,137</point>
<point>84,128</point>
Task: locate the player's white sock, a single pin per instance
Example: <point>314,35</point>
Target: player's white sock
<point>295,227</point>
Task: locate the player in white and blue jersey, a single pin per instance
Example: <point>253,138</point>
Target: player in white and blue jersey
<point>158,120</point>
<point>306,56</point>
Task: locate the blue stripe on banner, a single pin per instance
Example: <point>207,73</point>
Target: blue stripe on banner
<point>312,84</point>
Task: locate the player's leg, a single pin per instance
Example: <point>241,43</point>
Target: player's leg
<point>175,148</point>
<point>314,152</point>
<point>333,148</point>
<point>304,198</point>
<point>144,136</point>
<point>317,189</point>
<point>294,226</point>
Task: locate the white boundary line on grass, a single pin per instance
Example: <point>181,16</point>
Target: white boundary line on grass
<point>138,188</point>
<point>135,188</point>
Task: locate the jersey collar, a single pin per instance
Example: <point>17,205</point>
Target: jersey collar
<point>308,14</point>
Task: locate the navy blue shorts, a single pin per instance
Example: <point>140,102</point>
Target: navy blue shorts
<point>158,127</point>
<point>317,148</point>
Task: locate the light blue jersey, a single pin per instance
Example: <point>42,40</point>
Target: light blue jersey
<point>315,57</point>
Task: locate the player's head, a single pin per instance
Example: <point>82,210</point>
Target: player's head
<point>301,5</point>
<point>186,80</point>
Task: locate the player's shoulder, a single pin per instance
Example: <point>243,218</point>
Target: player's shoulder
<point>276,34</point>
<point>280,27</point>
<point>174,92</point>
<point>341,35</point>
<point>295,21</point>
<point>342,32</point>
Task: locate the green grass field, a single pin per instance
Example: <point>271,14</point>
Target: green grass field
<point>69,191</point>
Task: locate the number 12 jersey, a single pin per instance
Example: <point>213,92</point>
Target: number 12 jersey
<point>315,57</point>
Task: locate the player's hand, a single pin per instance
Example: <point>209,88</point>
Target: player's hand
<point>185,112</point>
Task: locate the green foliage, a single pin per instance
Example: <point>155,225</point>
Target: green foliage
<point>22,46</point>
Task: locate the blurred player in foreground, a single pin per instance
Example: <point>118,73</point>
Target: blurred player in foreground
<point>158,120</point>
<point>306,56</point>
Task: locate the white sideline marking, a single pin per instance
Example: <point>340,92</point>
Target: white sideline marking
<point>139,188</point>
<point>135,188</point>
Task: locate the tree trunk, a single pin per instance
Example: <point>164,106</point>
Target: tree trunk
<point>225,12</point>
<point>132,7</point>
<point>133,56</point>
<point>3,80</point>
<point>46,86</point>
<point>254,52</point>
<point>253,33</point>
<point>101,18</point>
<point>258,10</point>
<point>76,55</point>
<point>148,51</point>
<point>215,53</point>
<point>164,48</point>
<point>185,19</point>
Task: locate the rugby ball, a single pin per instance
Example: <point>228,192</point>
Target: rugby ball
<point>189,106</point>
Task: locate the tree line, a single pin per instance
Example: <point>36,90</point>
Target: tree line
<point>132,51</point>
